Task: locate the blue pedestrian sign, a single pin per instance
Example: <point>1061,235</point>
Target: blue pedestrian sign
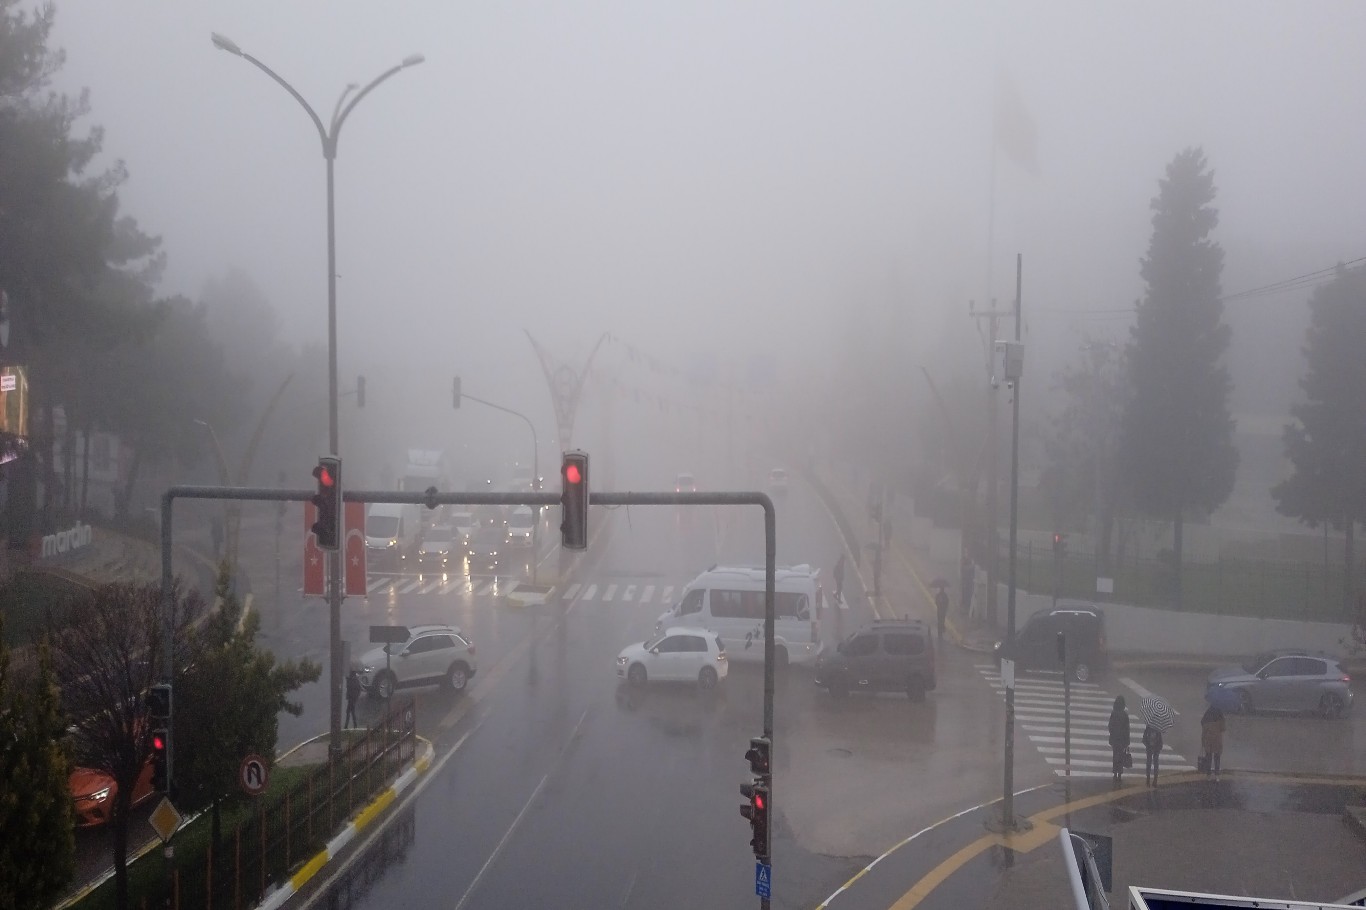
<point>763,875</point>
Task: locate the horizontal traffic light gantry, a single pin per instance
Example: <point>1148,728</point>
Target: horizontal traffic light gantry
<point>328,502</point>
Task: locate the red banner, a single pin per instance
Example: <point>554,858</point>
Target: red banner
<point>315,563</point>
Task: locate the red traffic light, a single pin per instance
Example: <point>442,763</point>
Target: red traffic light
<point>759,799</point>
<point>1057,538</point>
<point>324,476</point>
<point>572,473</point>
<point>158,743</point>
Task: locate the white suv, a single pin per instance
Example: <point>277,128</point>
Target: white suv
<point>678,655</point>
<point>431,655</point>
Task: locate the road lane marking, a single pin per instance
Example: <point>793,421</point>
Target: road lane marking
<point>1144,693</point>
<point>629,594</point>
<point>376,585</point>
<point>408,588</point>
<point>589,593</point>
<point>486,589</point>
<point>431,586</point>
<point>449,586</point>
<point>572,590</point>
<point>666,596</point>
<point>609,593</point>
<point>647,594</point>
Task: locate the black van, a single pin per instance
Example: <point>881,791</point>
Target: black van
<point>1036,644</point>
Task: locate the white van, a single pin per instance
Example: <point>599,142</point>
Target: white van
<point>392,532</point>
<point>730,602</point>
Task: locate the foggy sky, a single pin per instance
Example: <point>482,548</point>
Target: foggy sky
<point>696,176</point>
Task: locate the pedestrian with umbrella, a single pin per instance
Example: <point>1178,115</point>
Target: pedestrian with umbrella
<point>1157,719</point>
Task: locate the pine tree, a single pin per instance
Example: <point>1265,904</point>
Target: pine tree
<point>1178,447</point>
<point>37,824</point>
<point>1326,441</point>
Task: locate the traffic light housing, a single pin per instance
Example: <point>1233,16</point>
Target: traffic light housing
<point>159,702</point>
<point>1059,544</point>
<point>758,792</point>
<point>328,501</point>
<point>161,738</point>
<point>574,501</point>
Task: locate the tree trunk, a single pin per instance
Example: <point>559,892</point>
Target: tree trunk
<point>119,826</point>
<point>125,497</point>
<point>1349,568</point>
<point>216,829</point>
<point>1177,527</point>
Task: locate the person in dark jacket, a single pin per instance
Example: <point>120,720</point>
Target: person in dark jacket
<point>1152,745</point>
<point>941,608</point>
<point>1212,739</point>
<point>1119,737</point>
<point>352,693</point>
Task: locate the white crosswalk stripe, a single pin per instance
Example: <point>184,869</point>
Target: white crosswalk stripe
<point>431,586</point>
<point>572,590</point>
<point>377,584</point>
<point>1043,716</point>
<point>647,593</point>
<point>408,587</point>
<point>666,596</point>
<point>629,594</point>
<point>590,593</point>
<point>486,588</point>
<point>452,584</point>
<point>609,593</point>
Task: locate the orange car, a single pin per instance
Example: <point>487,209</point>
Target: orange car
<point>93,793</point>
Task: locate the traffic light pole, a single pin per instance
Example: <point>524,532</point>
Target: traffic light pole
<point>431,500</point>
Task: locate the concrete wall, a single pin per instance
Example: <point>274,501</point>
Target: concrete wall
<point>1143,630</point>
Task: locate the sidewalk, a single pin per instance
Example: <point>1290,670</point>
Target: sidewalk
<point>1254,835</point>
<point>905,574</point>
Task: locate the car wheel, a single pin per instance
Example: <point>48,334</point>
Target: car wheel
<point>1081,672</point>
<point>707,678</point>
<point>458,677</point>
<point>636,675</point>
<point>384,685</point>
<point>915,688</point>
<point>839,686</point>
<point>1330,705</point>
<point>1244,702</point>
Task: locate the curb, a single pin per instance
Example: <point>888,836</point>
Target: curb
<point>362,819</point>
<point>528,598</point>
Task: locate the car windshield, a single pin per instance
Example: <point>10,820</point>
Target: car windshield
<point>650,643</point>
<point>381,525</point>
<point>520,520</point>
<point>463,520</point>
<point>439,534</point>
<point>1254,664</point>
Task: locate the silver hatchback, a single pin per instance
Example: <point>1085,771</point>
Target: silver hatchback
<point>1300,681</point>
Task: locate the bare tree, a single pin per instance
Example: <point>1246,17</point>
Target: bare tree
<point>106,656</point>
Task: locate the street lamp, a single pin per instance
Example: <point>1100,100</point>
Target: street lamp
<point>329,136</point>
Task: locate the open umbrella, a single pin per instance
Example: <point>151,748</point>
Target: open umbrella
<point>1156,713</point>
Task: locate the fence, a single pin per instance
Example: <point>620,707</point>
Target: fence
<point>286,829</point>
<point>1259,588</point>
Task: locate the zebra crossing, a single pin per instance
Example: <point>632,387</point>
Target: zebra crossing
<point>620,592</point>
<point>1039,713</point>
<point>477,585</point>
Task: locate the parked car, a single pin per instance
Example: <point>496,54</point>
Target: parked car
<point>685,483</point>
<point>883,656</point>
<point>1284,680</point>
<point>680,654</point>
<point>1036,644</point>
<point>93,793</point>
<point>431,655</point>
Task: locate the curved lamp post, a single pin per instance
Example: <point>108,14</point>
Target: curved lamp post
<point>329,135</point>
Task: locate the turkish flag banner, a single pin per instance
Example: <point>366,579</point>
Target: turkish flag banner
<point>315,563</point>
<point>355,549</point>
<point>315,560</point>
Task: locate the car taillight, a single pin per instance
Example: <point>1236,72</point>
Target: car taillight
<point>1345,678</point>
<point>721,656</point>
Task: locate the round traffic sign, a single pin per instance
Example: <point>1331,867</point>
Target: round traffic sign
<point>254,775</point>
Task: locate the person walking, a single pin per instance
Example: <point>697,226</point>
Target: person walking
<point>941,606</point>
<point>1212,739</point>
<point>1152,745</point>
<point>1120,738</point>
<point>352,693</point>
<point>839,579</point>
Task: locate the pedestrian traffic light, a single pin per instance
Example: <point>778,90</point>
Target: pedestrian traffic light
<point>759,757</point>
<point>159,702</point>
<point>757,812</point>
<point>161,737</point>
<point>574,501</point>
<point>328,500</point>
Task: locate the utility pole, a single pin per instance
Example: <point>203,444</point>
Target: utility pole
<point>993,319</point>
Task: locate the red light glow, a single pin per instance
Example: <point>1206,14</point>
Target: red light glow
<point>158,743</point>
<point>758,800</point>
<point>325,477</point>
<point>572,474</point>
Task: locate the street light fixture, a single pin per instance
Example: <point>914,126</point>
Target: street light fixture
<point>328,136</point>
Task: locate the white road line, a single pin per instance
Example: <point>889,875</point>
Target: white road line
<point>646,593</point>
<point>431,586</point>
<point>1062,750</point>
<point>629,594</point>
<point>502,843</point>
<point>666,596</point>
<point>451,584</point>
<point>1051,685</point>
<point>572,590</point>
<point>487,588</point>
<point>408,588</point>
<point>376,585</point>
<point>609,593</point>
<point>1144,693</point>
<point>590,592</point>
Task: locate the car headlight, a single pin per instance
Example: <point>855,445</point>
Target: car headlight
<point>390,543</point>
<point>100,796</point>
<point>621,661</point>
